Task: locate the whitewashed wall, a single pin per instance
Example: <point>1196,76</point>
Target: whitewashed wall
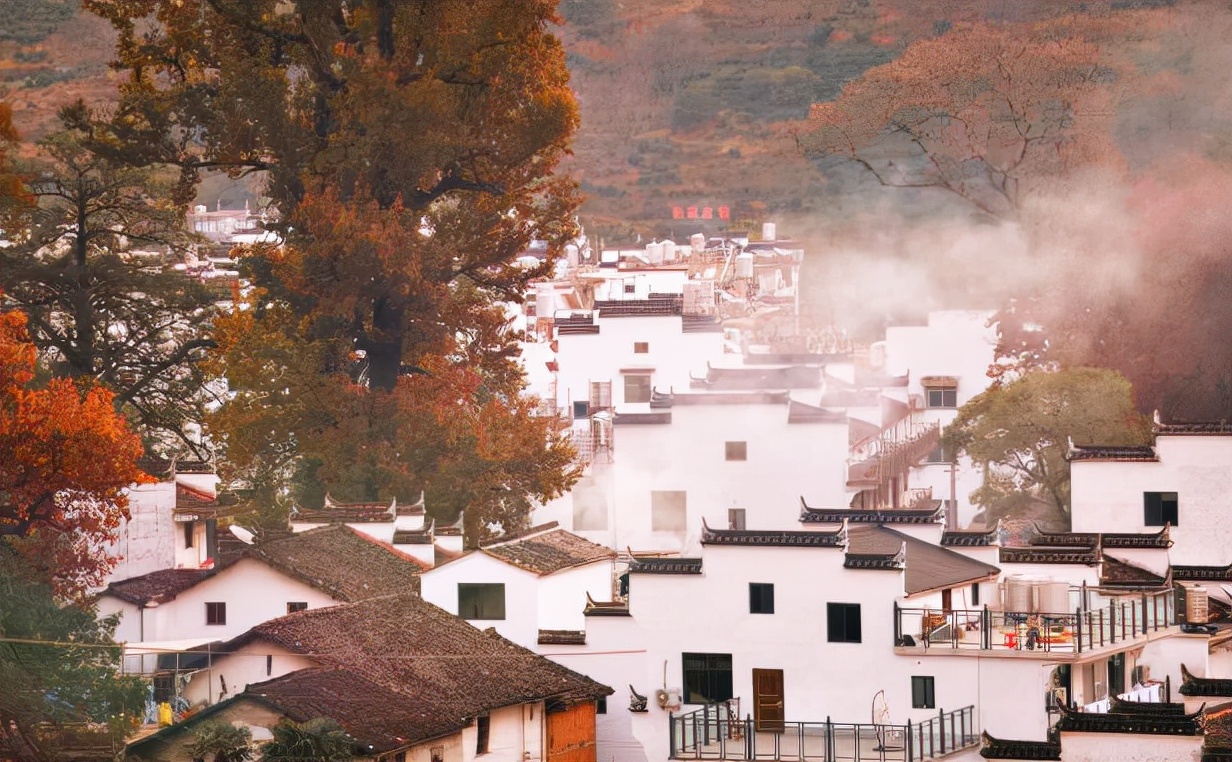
<point>250,664</point>
<point>254,593</point>
<point>147,540</point>
<point>1108,496</point>
<point>562,596</point>
<point>439,586</point>
<point>1129,747</point>
<point>672,355</point>
<point>785,461</point>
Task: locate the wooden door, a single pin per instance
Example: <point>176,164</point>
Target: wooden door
<point>768,713</point>
<point>571,734</point>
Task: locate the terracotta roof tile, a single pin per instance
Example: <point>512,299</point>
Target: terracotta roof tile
<point>552,551</point>
<point>405,643</point>
<point>343,563</point>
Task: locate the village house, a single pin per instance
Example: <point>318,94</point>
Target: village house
<point>404,526</point>
<point>404,677</point>
<point>531,588</point>
<point>167,612</point>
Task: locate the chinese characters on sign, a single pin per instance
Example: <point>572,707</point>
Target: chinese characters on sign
<point>701,212</point>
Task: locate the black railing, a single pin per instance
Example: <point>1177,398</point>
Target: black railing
<point>716,732</point>
<point>1123,618</point>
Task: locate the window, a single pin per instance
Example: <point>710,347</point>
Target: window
<point>975,594</point>
<point>843,622</point>
<point>637,387</point>
<point>601,705</point>
<point>483,726</point>
<point>667,510</point>
<point>1159,508</point>
<point>942,397</point>
<point>707,678</point>
<point>939,455</point>
<point>735,519</point>
<point>400,757</point>
<point>922,695</point>
<point>481,601</point>
<point>737,450</point>
<point>293,606</point>
<point>188,535</point>
<point>215,613</point>
<point>581,409</point>
<point>600,396</point>
<point>641,347</point>
<point>761,598</point>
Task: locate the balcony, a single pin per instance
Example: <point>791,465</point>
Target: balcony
<point>1115,620</point>
<point>716,732</point>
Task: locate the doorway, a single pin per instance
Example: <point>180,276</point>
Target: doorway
<point>768,712</point>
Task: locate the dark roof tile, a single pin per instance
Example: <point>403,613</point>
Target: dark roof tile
<point>157,587</point>
<point>551,551</point>
<point>345,564</point>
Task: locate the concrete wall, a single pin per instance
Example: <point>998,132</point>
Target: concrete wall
<point>147,540</point>
<point>252,663</point>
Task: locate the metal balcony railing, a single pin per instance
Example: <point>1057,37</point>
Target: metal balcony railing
<point>715,731</point>
<point>1122,618</point>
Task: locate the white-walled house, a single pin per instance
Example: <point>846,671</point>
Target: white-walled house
<point>405,526</point>
<point>1181,481</point>
<point>405,679</point>
<point>183,608</point>
<point>531,589</point>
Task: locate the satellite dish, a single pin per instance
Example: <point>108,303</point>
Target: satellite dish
<point>242,534</point>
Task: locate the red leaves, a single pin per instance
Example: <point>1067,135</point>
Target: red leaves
<point>66,459</point>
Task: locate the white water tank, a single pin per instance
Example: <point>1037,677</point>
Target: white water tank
<point>1197,603</point>
<point>697,242</point>
<point>744,265</point>
<point>1053,597</point>
<point>768,232</point>
<point>654,253</point>
<point>1019,594</point>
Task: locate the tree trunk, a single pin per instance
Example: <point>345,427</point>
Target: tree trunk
<point>384,349</point>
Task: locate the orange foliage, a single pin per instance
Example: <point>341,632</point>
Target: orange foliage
<point>66,459</point>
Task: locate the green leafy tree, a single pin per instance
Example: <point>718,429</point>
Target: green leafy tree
<point>221,742</point>
<point>92,267</point>
<point>411,150</point>
<point>317,740</point>
<point>1019,432</point>
<point>59,666</point>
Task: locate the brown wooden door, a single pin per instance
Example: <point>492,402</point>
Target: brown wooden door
<point>768,713</point>
<point>571,734</point>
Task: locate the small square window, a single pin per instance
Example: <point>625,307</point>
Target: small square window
<point>581,409</point>
<point>761,598</point>
<point>942,397</point>
<point>737,450</point>
<point>922,693</point>
<point>481,601</point>
<point>293,606</point>
<point>735,519</point>
<point>707,678</point>
<point>1160,508</point>
<point>843,622</point>
<point>637,387</point>
<point>641,347</point>
<point>668,510</point>
<point>216,613</point>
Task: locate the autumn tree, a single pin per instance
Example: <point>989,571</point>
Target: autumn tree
<point>59,666</point>
<point>410,148</point>
<point>985,112</point>
<point>66,461</point>
<point>1019,432</point>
